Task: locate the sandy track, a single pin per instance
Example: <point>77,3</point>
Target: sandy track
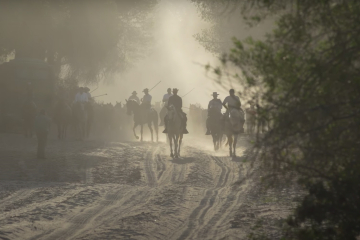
<point>130,190</point>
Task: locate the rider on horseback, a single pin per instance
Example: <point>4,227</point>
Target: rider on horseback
<point>176,101</point>
<point>146,100</point>
<point>214,107</point>
<point>134,97</point>
<point>233,103</point>
<point>165,105</point>
<point>81,96</point>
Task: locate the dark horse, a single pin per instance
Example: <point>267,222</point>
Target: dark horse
<point>143,116</point>
<point>234,125</point>
<point>215,126</point>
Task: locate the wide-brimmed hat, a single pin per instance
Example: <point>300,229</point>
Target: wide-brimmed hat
<point>215,93</point>
<point>175,90</point>
<point>134,92</point>
<point>86,89</point>
<point>146,90</point>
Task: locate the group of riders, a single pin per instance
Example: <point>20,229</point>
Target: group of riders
<point>230,103</point>
<point>171,98</point>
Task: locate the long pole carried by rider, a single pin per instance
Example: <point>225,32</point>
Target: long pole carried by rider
<point>155,86</point>
<point>100,95</point>
<point>188,92</point>
<point>94,89</point>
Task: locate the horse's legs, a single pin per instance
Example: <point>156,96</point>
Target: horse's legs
<point>180,141</point>
<point>171,149</point>
<point>151,131</point>
<point>141,132</point>
<point>214,140</point>
<point>176,139</point>
<point>135,125</point>
<point>234,144</point>
<point>230,139</point>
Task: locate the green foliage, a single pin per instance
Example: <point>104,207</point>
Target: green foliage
<point>307,80</point>
<point>85,39</point>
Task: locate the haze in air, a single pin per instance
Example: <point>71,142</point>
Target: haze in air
<point>263,146</point>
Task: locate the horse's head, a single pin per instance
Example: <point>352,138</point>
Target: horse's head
<point>131,105</point>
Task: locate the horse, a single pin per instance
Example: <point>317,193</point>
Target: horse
<point>29,111</point>
<point>234,125</point>
<point>62,118</point>
<point>141,117</point>
<point>215,125</point>
<point>79,119</point>
<point>175,131</point>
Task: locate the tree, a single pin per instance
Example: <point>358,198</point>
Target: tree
<point>229,18</point>
<point>308,74</point>
<point>85,39</point>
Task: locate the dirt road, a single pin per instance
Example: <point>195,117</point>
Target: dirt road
<point>123,190</point>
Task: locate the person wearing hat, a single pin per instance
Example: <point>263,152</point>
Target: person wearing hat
<point>134,97</point>
<point>165,104</point>
<point>176,101</point>
<point>146,100</point>
<point>215,106</point>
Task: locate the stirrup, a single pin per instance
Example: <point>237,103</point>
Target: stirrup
<point>165,131</point>
<point>185,131</point>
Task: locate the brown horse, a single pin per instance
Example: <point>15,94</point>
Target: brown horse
<point>234,125</point>
<point>143,116</point>
<point>62,118</point>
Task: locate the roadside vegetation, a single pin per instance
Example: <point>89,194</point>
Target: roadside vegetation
<point>304,76</point>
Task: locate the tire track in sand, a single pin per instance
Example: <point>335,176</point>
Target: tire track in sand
<point>148,159</point>
<point>198,215</point>
<point>161,165</point>
<point>225,209</point>
<point>223,178</point>
<point>81,222</point>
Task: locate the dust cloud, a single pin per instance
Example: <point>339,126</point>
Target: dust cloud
<point>177,60</point>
